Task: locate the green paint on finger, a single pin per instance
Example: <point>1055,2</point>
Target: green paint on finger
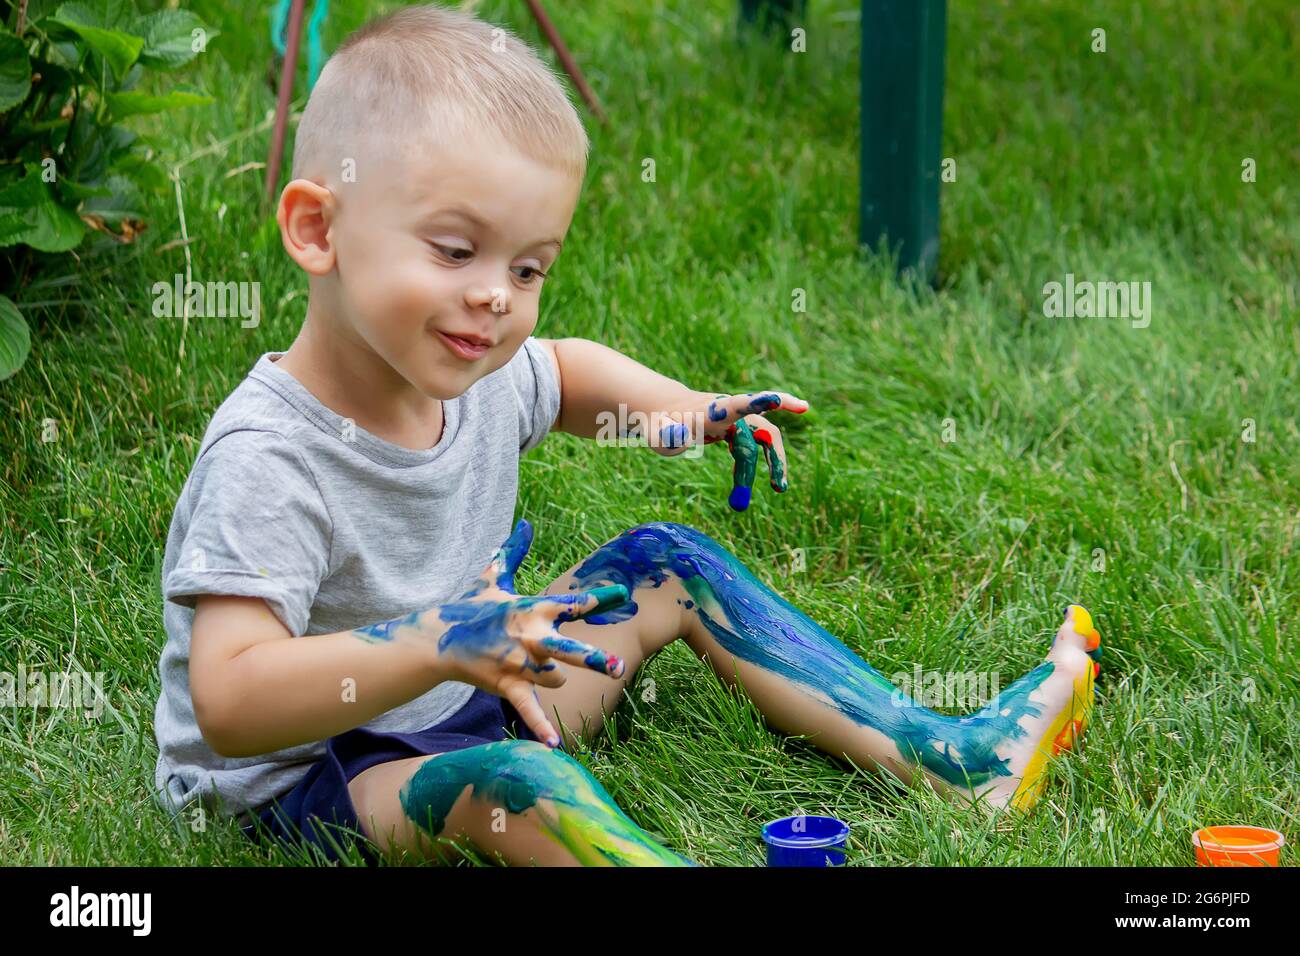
<point>775,470</point>
<point>744,454</point>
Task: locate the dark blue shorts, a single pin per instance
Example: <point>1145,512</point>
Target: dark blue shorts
<point>319,809</point>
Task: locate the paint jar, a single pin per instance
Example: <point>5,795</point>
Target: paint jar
<point>805,841</point>
<point>1237,846</point>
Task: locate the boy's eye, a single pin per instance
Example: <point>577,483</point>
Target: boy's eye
<point>528,275</point>
<point>533,274</point>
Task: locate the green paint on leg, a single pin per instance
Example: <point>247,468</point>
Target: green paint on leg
<point>574,809</point>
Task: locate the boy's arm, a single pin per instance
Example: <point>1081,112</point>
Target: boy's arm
<point>256,690</point>
<point>595,378</point>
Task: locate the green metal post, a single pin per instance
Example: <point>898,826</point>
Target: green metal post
<point>902,128</point>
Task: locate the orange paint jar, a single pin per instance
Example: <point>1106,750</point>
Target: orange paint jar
<point>1237,846</point>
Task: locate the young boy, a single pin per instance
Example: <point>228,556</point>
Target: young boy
<point>350,491</point>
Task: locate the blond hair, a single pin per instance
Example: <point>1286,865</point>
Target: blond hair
<point>435,71</point>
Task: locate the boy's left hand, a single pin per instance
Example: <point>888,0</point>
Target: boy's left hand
<point>737,419</point>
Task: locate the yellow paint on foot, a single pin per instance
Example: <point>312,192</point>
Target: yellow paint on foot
<point>1080,710</point>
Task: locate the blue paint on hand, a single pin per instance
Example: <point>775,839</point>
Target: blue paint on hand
<point>674,435</point>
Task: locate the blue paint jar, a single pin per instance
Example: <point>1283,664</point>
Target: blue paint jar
<point>806,841</point>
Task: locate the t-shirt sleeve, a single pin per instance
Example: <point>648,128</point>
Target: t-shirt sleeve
<point>537,393</point>
<point>258,527</point>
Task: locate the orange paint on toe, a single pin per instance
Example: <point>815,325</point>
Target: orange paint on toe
<point>1069,734</point>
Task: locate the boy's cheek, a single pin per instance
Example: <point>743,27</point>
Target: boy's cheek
<point>402,297</point>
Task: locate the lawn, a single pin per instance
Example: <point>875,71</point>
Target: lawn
<point>969,464</point>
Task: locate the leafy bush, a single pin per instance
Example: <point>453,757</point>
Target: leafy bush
<point>69,75</point>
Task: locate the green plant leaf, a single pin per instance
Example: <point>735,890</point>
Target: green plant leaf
<point>145,174</point>
<point>64,52</point>
<point>30,214</point>
<point>40,8</point>
<point>132,78</point>
<point>103,146</point>
<point>15,71</point>
<point>122,202</point>
<point>80,191</point>
<point>118,48</point>
<point>15,338</point>
<point>169,37</point>
<point>130,104</point>
<point>114,13</point>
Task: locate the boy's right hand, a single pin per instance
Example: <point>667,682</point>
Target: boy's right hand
<point>497,640</point>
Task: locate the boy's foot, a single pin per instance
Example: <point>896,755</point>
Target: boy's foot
<point>1064,704</point>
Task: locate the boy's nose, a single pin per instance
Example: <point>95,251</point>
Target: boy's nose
<point>496,298</point>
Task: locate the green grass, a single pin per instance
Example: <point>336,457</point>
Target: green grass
<point>1072,434</point>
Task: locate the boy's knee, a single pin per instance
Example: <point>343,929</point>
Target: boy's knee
<point>527,770</point>
<point>530,763</point>
<point>510,774</point>
<point>653,527</point>
<point>671,534</point>
<point>650,554</point>
<point>518,755</point>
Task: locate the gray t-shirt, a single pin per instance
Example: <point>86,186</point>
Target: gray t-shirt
<point>334,528</point>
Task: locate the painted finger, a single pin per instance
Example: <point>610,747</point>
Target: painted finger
<point>541,669</point>
<point>580,604</point>
<point>769,439</point>
<point>784,401</point>
<point>526,659</point>
<point>524,700</point>
<point>674,437</point>
<point>582,654</point>
<point>500,571</point>
<point>512,554</point>
<point>744,455</point>
<point>728,409</point>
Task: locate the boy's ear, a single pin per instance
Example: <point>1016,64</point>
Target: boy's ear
<point>305,214</point>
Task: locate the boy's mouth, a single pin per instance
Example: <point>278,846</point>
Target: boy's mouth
<point>464,348</point>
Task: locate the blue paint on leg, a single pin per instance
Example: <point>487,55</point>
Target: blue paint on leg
<point>756,625</point>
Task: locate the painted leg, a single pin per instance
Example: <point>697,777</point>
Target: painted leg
<point>807,682</point>
<point>578,708</point>
<point>516,797</point>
